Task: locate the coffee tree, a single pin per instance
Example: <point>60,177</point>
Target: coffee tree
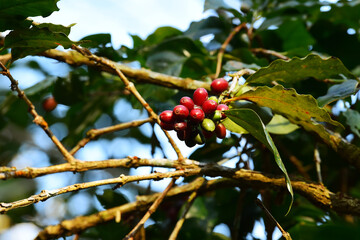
<point>266,96</point>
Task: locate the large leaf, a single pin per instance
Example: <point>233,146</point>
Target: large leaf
<point>280,125</point>
<point>249,120</point>
<point>35,40</point>
<point>13,13</point>
<point>298,69</point>
<point>339,91</point>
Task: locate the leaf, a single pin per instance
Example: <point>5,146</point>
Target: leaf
<point>249,120</point>
<point>111,198</point>
<point>210,25</point>
<point>56,28</point>
<point>34,40</point>
<point>215,4</point>
<point>166,62</point>
<point>339,91</point>
<point>353,120</point>
<point>233,127</point>
<point>14,13</point>
<point>280,125</point>
<point>236,66</point>
<point>298,69</point>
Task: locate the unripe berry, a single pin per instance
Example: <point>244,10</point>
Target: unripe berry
<point>197,115</point>
<point>208,125</point>
<point>217,116</point>
<point>209,106</point>
<point>213,98</point>
<point>219,85</point>
<point>167,116</point>
<point>167,126</point>
<point>200,96</point>
<point>220,131</point>
<point>200,139</point>
<point>49,104</point>
<point>222,107</point>
<point>187,102</point>
<point>179,126</point>
<point>181,112</point>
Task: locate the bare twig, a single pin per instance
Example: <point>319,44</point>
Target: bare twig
<point>150,211</point>
<point>189,203</point>
<point>269,52</point>
<point>223,47</point>
<point>38,120</point>
<point>131,87</point>
<point>317,161</point>
<point>95,133</point>
<point>285,234</point>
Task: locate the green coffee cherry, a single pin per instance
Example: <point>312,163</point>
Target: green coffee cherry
<point>214,98</point>
<point>208,125</point>
<point>200,139</point>
<point>217,116</point>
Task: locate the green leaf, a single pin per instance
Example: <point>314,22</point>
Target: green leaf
<point>236,66</point>
<point>249,120</point>
<point>215,4</point>
<point>339,91</point>
<point>233,127</point>
<point>166,62</point>
<point>280,125</point>
<point>298,69</point>
<point>56,28</point>
<point>111,198</point>
<point>14,13</point>
<point>353,120</point>
<point>35,40</point>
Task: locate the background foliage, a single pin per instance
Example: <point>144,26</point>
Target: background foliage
<point>316,84</point>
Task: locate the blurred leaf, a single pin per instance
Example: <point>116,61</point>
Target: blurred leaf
<point>298,69</point>
<point>280,125</point>
<point>236,66</point>
<point>96,40</point>
<point>339,91</point>
<point>56,28</point>
<point>353,120</point>
<point>14,13</point>
<point>249,120</point>
<point>161,34</point>
<point>211,25</point>
<point>111,198</point>
<point>215,4</point>
<point>166,62</point>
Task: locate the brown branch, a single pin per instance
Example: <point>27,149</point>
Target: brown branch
<point>140,75</point>
<point>95,133</point>
<point>38,120</point>
<point>150,211</point>
<point>131,87</point>
<point>314,192</point>
<point>269,52</point>
<point>223,47</point>
<point>82,166</point>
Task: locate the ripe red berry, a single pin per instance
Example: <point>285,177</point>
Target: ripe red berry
<point>200,96</point>
<point>207,134</point>
<point>219,85</point>
<point>222,107</point>
<point>181,112</point>
<point>209,106</point>
<point>220,131</point>
<point>187,102</point>
<point>179,126</point>
<point>167,116</point>
<point>197,115</point>
<point>167,126</point>
<point>49,104</point>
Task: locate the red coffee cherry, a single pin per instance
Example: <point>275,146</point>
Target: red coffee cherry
<point>207,134</point>
<point>209,106</point>
<point>220,131</point>
<point>187,102</point>
<point>167,116</point>
<point>49,104</point>
<point>181,112</point>
<point>197,115</point>
<point>219,85</point>
<point>167,126</point>
<point>180,126</point>
<point>222,107</point>
<point>200,96</point>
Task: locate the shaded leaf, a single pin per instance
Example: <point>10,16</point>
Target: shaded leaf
<point>353,120</point>
<point>249,120</point>
<point>298,69</point>
<point>215,4</point>
<point>236,66</point>
<point>339,91</point>
<point>280,125</point>
<point>111,198</point>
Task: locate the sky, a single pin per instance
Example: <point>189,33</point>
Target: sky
<point>120,18</point>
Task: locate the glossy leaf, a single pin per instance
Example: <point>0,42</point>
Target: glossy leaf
<point>339,91</point>
<point>280,125</point>
<point>298,69</point>
<point>249,120</point>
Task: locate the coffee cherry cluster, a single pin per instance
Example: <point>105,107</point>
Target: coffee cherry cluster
<point>198,118</point>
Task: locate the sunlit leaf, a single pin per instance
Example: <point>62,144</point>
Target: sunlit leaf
<point>280,125</point>
<point>298,69</point>
<point>249,120</point>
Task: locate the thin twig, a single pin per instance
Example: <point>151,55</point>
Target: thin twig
<point>223,47</point>
<point>95,133</point>
<point>269,52</point>
<point>150,211</point>
<point>317,160</point>
<point>38,120</point>
<point>189,203</point>
<point>285,234</point>
<point>131,87</point>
